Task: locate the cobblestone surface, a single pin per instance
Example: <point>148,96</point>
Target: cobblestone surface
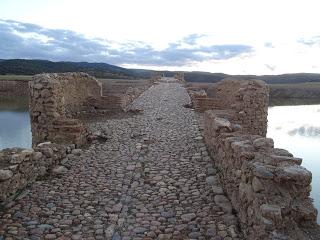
<point>152,179</point>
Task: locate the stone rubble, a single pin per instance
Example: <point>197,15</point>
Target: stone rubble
<point>152,178</point>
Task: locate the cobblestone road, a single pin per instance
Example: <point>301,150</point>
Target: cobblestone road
<point>152,179</point>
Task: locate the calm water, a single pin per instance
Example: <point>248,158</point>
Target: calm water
<point>297,129</point>
<point>15,128</point>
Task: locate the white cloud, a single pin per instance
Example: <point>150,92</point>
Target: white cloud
<point>21,40</point>
<point>159,23</point>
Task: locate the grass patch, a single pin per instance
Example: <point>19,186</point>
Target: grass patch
<point>15,78</point>
<point>14,103</point>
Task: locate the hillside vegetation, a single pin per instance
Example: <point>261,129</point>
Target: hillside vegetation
<point>108,71</point>
<point>99,70</point>
<point>15,77</point>
<point>270,79</point>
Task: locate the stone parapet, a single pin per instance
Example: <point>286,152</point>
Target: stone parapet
<point>180,77</point>
<point>249,100</point>
<point>267,186</point>
<point>20,167</point>
<point>117,96</point>
<point>55,99</point>
<point>110,102</point>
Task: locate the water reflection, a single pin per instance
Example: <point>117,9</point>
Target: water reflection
<point>15,128</point>
<point>305,131</point>
<point>297,129</point>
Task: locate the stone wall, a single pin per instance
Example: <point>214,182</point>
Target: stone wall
<point>180,77</point>
<point>20,167</point>
<point>54,100</point>
<point>249,99</point>
<point>111,102</point>
<point>69,91</point>
<point>267,186</point>
<point>118,94</point>
<point>156,76</point>
<point>12,88</point>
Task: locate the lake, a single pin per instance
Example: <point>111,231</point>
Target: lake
<point>15,128</point>
<point>297,129</point>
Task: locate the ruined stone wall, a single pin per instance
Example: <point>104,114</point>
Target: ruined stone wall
<point>179,76</point>
<point>201,104</point>
<point>267,186</point>
<point>12,88</point>
<point>117,95</point>
<point>112,103</point>
<point>54,100</point>
<point>20,167</point>
<point>249,99</point>
<point>70,91</point>
<point>156,76</point>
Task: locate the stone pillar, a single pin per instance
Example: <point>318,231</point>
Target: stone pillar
<point>252,101</point>
<point>55,99</point>
<point>180,77</point>
<point>45,105</point>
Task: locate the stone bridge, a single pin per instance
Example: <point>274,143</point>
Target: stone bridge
<point>161,171</point>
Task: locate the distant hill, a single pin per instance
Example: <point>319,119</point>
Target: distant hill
<point>104,70</point>
<point>100,70</point>
<point>270,79</point>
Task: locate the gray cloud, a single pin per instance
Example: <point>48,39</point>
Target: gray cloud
<point>305,131</point>
<point>268,45</point>
<point>270,67</point>
<point>315,40</point>
<point>24,40</point>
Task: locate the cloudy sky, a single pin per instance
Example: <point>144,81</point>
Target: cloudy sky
<point>231,36</point>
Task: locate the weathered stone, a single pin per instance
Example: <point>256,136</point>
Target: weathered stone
<point>223,202</point>
<point>165,236</point>
<point>296,173</point>
<point>37,86</point>
<point>188,217</point>
<point>37,156</point>
<point>211,180</point>
<point>27,152</point>
<point>76,152</point>
<point>217,190</point>
<point>251,170</point>
<point>263,143</point>
<point>257,185</point>
<point>17,158</point>
<point>59,170</point>
<point>211,232</point>
<point>271,212</point>
<point>48,152</point>
<point>5,174</point>
<point>139,230</point>
<point>262,172</point>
